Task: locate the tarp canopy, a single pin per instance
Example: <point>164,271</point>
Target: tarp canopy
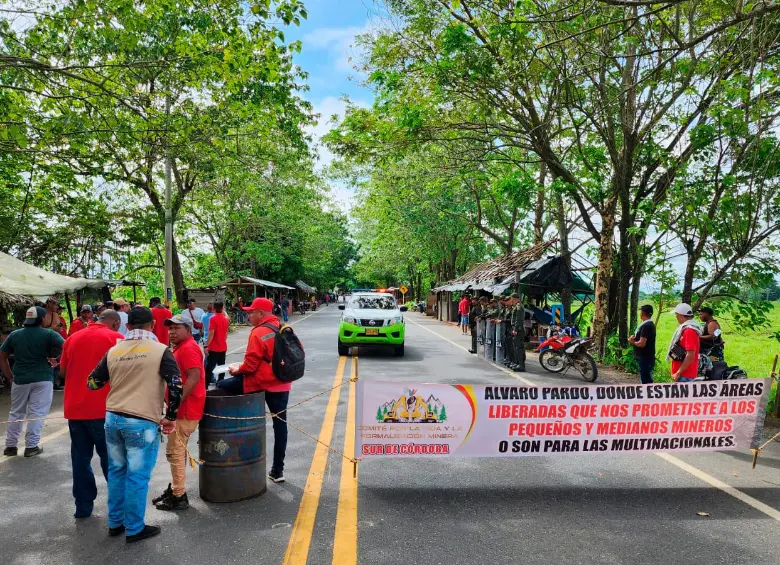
<point>251,281</point>
<point>550,274</point>
<point>305,287</point>
<point>19,279</point>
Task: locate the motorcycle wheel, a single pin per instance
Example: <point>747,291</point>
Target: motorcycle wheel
<point>585,364</point>
<point>552,360</point>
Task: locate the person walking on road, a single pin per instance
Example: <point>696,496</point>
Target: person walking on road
<point>255,374</point>
<point>684,347</point>
<point>206,319</point>
<point>133,408</point>
<point>189,358</point>
<point>160,313</point>
<point>464,306</point>
<point>643,341</point>
<point>216,345</point>
<point>84,319</point>
<point>32,380</point>
<point>85,409</point>
<point>285,308</point>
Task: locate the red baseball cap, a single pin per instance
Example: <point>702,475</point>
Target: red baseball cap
<point>260,304</point>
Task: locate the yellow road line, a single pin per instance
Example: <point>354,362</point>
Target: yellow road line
<point>720,485</point>
<point>44,439</point>
<point>300,538</point>
<point>507,371</point>
<point>346,536</point>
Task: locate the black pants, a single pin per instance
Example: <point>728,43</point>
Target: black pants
<point>518,347</point>
<point>277,404</point>
<point>473,338</point>
<point>509,350</point>
<point>86,437</point>
<point>214,359</point>
<point>646,367</point>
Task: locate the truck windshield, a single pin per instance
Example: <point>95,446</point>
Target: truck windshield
<point>373,303</point>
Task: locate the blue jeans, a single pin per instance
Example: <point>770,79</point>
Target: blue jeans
<point>646,370</point>
<point>284,314</point>
<point>684,380</point>
<point>132,452</point>
<point>86,437</point>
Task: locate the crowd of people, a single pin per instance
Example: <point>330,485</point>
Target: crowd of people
<point>131,372</point>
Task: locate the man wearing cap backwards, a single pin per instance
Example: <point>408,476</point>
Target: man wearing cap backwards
<point>255,374</point>
<point>84,319</point>
<point>687,335</point>
<point>708,339</point>
<point>189,358</point>
<point>643,341</point>
<point>85,409</point>
<point>122,307</point>
<point>32,378</point>
<point>133,415</point>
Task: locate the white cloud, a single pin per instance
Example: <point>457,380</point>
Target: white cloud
<point>339,42</point>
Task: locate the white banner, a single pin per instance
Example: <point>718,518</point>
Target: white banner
<point>397,419</point>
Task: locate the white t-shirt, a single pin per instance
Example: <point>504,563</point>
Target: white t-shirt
<point>196,315</point>
<point>122,322</point>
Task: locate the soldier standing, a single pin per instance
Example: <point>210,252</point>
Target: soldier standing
<point>518,334</point>
<point>477,309</point>
<point>506,316</point>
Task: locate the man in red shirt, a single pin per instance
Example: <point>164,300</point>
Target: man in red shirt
<point>463,309</point>
<point>85,409</point>
<point>84,319</point>
<point>189,358</point>
<point>216,346</point>
<point>255,374</point>
<point>160,313</point>
<point>687,335</point>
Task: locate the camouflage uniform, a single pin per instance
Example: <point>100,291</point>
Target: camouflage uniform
<point>475,312</point>
<point>506,318</point>
<point>518,336</point>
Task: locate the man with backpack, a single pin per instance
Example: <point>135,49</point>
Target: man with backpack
<point>262,370</point>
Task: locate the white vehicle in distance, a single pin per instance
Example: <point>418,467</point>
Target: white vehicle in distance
<point>372,318</point>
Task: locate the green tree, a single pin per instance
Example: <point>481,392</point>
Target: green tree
<point>443,414</point>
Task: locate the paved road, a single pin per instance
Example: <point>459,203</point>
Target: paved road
<point>631,509</point>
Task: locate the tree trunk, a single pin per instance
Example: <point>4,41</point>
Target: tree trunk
<point>625,275</point>
<point>687,290</point>
<point>603,276</point>
<point>563,240</point>
<point>636,281</point>
<point>539,211</point>
<point>179,288</point>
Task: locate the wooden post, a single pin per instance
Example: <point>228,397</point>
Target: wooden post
<point>773,374</point>
<point>135,298</point>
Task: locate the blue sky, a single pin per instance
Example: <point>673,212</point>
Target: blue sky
<point>328,37</point>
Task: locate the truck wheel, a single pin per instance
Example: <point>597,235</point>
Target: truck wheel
<point>343,349</point>
<point>399,350</point>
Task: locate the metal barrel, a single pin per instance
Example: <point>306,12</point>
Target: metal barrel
<point>232,450</point>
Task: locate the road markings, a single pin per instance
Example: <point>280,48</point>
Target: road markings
<point>44,439</point>
<point>720,485</point>
<point>346,535</point>
<point>459,346</point>
<point>243,347</point>
<point>300,539</point>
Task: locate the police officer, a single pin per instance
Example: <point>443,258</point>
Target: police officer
<point>506,317</point>
<point>518,334</point>
<point>477,310</point>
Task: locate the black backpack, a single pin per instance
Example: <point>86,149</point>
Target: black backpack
<point>289,360</point>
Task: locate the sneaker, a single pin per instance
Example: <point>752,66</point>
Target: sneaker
<point>276,476</point>
<point>147,532</point>
<point>113,532</point>
<point>10,451</point>
<point>174,503</point>
<point>519,368</point>
<point>472,351</point>
<point>167,493</point>
<point>33,451</point>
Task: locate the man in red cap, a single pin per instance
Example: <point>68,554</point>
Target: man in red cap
<point>255,374</point>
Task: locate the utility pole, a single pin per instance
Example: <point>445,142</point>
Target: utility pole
<point>168,216</point>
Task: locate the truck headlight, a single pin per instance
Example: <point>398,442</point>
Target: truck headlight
<point>350,320</point>
<point>395,321</point>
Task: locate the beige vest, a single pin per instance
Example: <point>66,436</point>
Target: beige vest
<point>134,373</point>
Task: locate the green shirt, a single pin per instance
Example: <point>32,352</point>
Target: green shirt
<point>31,348</point>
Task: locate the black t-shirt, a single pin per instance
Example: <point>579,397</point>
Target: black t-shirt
<point>646,330</point>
